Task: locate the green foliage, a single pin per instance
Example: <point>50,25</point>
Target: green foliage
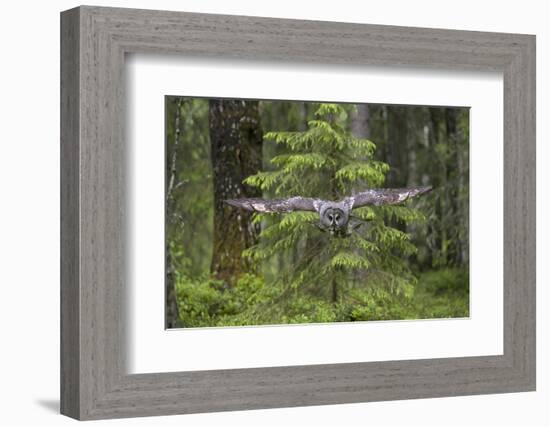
<point>189,213</point>
<point>205,303</point>
<point>441,293</point>
<point>327,161</point>
<point>408,262</point>
<point>430,145</point>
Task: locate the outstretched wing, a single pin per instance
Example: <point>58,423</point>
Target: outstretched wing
<point>385,196</point>
<point>277,205</point>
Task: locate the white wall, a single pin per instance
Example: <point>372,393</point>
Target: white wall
<point>29,225</point>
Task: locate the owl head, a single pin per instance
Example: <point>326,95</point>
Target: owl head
<point>334,218</point>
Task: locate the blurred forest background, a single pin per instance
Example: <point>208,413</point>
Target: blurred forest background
<point>228,267</point>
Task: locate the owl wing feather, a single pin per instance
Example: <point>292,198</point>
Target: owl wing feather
<point>277,205</point>
<point>385,196</point>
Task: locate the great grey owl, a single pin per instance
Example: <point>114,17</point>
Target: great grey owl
<point>334,217</point>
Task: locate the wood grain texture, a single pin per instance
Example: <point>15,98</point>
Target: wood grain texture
<point>70,292</point>
<point>94,382</point>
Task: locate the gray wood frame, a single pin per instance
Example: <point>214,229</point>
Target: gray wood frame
<point>94,383</point>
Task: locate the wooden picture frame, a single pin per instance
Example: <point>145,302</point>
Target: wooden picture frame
<point>94,41</point>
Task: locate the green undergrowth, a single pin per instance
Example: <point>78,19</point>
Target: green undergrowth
<point>208,303</point>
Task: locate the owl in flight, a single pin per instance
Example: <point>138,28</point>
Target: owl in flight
<point>334,217</point>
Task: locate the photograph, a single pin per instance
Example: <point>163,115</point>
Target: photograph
<point>268,215</point>
<point>296,212</point>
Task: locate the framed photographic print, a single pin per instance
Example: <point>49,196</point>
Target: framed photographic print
<point>262,213</point>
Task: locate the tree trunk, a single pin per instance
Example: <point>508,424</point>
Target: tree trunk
<point>360,122</point>
<point>396,146</point>
<point>463,160</point>
<point>412,148</point>
<point>171,318</point>
<point>441,205</point>
<point>454,168</point>
<point>236,141</point>
<point>360,129</point>
<point>334,291</point>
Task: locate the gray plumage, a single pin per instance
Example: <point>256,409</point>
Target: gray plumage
<point>334,216</point>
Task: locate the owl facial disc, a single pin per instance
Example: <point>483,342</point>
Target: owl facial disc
<point>334,218</point>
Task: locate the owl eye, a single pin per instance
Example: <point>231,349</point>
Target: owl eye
<point>330,217</point>
<point>337,217</point>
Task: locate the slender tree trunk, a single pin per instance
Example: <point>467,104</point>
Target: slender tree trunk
<point>454,168</point>
<point>171,317</point>
<point>360,128</point>
<point>441,205</point>
<point>412,148</point>
<point>397,152</point>
<point>360,122</point>
<point>236,141</point>
<point>334,291</point>
<point>397,149</point>
<point>463,155</point>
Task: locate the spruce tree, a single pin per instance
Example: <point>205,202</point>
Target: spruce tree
<point>319,277</point>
